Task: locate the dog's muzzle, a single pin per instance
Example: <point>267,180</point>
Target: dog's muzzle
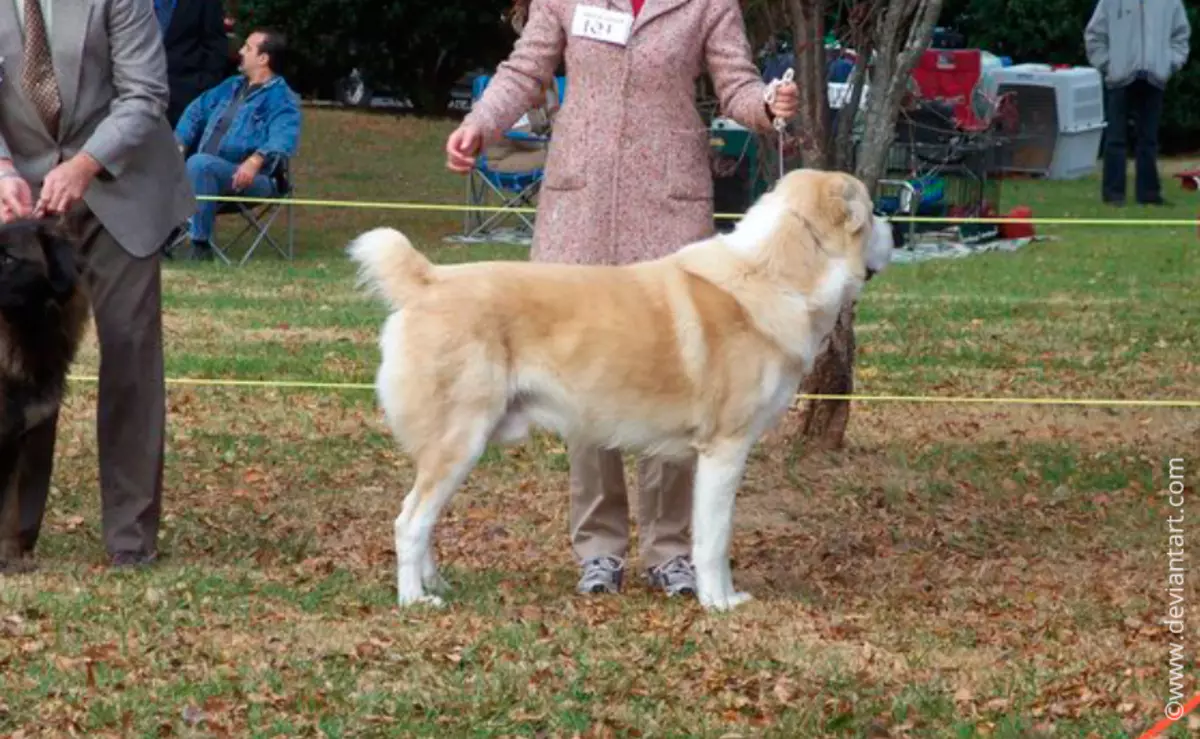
<point>870,273</point>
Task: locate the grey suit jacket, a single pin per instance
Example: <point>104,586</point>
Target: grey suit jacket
<point>112,73</point>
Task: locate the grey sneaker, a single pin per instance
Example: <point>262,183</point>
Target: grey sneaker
<point>676,576</point>
<point>601,575</point>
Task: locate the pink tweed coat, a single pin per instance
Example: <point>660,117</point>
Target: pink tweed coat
<point>627,175</point>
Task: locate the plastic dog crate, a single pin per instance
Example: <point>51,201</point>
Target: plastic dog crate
<point>1061,118</point>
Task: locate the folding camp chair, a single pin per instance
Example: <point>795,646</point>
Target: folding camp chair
<point>259,217</point>
<point>514,190</point>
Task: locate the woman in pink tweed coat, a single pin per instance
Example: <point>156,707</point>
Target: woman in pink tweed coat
<point>627,179</point>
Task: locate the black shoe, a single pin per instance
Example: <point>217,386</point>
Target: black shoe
<point>21,565</point>
<point>131,559</point>
<point>201,251</point>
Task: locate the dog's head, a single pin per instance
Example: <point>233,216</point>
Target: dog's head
<point>38,263</point>
<point>837,217</point>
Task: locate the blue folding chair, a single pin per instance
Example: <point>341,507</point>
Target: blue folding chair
<point>917,196</point>
<point>515,190</point>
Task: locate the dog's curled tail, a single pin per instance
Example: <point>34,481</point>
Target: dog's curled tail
<point>390,266</point>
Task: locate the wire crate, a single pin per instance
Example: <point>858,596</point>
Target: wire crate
<point>942,170</point>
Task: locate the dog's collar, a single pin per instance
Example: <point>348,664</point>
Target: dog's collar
<point>812,231</point>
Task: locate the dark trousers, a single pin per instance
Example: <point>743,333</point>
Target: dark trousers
<point>1142,102</point>
<point>126,297</point>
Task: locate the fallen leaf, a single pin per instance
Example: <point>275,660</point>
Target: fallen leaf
<point>192,715</point>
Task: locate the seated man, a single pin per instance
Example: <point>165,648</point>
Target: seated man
<point>235,135</point>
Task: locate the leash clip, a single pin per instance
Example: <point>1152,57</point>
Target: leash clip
<point>769,95</point>
<point>778,123</point>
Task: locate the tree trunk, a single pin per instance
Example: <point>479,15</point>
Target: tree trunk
<point>901,30</point>
<point>825,419</point>
<point>812,126</point>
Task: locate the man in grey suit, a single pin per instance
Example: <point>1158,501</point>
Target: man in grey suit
<point>83,133</point>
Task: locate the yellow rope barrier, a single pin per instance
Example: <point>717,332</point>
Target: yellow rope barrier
<point>451,207</point>
<point>315,385</point>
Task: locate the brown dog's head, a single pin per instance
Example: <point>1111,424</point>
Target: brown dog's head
<point>38,263</point>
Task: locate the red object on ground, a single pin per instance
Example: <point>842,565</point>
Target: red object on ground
<point>1189,180</point>
<point>1018,230</point>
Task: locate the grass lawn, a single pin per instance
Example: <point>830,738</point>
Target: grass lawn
<point>957,571</point>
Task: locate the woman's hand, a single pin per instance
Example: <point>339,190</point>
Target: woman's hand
<point>787,101</point>
<point>462,146</point>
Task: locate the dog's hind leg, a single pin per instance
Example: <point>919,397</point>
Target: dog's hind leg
<point>440,472</point>
<point>718,474</point>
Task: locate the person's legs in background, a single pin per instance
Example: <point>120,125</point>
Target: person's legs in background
<point>664,523</point>
<point>1115,137</point>
<point>1145,103</point>
<point>212,176</point>
<point>599,512</point>
<point>599,517</point>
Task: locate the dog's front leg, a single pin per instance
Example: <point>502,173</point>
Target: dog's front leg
<point>11,556</point>
<point>718,473</point>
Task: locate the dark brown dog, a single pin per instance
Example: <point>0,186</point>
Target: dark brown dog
<point>44,310</point>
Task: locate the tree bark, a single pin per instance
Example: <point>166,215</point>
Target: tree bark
<point>812,126</point>
<point>825,419</point>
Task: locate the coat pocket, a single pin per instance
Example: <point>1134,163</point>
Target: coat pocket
<point>689,171</point>
<point>566,160</point>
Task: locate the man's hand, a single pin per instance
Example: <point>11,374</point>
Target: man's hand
<point>246,173</point>
<point>65,184</point>
<point>16,199</point>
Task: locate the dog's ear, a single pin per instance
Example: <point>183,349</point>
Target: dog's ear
<point>844,204</point>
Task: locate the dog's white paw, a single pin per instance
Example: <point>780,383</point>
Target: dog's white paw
<point>725,601</point>
<point>434,582</point>
<point>421,600</point>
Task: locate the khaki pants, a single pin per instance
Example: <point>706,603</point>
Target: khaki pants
<point>600,506</point>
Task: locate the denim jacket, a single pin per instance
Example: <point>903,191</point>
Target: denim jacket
<point>268,123</point>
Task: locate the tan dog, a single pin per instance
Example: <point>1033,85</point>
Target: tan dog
<point>696,353</point>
